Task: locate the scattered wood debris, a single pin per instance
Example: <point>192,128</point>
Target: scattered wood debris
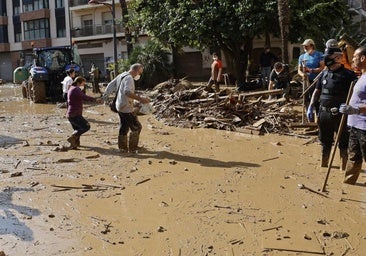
<point>86,187</point>
<point>179,103</point>
<point>302,186</point>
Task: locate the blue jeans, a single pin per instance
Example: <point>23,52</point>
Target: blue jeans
<point>265,73</point>
<point>79,124</point>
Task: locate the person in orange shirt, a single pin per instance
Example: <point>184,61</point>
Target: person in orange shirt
<point>216,71</point>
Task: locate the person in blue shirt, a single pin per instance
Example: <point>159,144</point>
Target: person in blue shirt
<point>310,64</point>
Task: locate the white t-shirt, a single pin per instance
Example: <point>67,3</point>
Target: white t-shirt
<point>66,83</point>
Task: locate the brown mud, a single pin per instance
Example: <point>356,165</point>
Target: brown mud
<point>190,192</point>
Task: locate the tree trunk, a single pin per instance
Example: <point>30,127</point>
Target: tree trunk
<point>237,61</point>
<point>125,20</point>
<point>267,42</point>
<point>176,64</point>
<point>284,20</point>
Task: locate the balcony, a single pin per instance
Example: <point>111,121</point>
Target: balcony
<point>4,47</point>
<point>96,30</point>
<point>35,15</point>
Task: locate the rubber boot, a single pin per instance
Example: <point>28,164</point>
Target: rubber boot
<point>122,143</point>
<point>217,88</point>
<point>73,141</point>
<point>343,154</point>
<point>352,172</point>
<point>208,88</point>
<point>325,156</point>
<point>78,141</point>
<point>133,142</point>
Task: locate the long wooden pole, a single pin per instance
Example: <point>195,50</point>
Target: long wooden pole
<point>339,133</point>
<point>312,84</point>
<point>304,85</point>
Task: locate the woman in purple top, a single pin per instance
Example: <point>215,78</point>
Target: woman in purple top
<point>75,98</point>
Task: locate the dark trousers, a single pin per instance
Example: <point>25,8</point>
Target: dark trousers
<point>328,127</point>
<point>128,121</point>
<point>79,124</point>
<point>211,82</point>
<point>356,154</point>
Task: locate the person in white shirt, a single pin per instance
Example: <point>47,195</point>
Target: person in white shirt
<point>67,82</point>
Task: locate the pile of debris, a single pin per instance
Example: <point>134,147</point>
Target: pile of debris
<point>180,103</point>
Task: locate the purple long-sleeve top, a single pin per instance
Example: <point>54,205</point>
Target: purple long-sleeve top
<point>75,99</point>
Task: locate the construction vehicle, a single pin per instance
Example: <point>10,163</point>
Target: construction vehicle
<point>44,70</point>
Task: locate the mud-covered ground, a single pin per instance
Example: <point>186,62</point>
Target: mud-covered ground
<point>192,192</point>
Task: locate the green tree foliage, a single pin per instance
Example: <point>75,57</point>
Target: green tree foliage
<point>231,25</point>
<point>155,59</point>
<point>317,19</point>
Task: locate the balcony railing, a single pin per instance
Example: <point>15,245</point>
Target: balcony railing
<point>95,30</point>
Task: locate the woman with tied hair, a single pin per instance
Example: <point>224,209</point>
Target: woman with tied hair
<point>75,98</point>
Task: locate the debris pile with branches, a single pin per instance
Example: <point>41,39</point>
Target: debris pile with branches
<point>179,103</point>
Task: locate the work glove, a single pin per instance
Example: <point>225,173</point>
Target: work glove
<point>310,114</point>
<point>348,109</point>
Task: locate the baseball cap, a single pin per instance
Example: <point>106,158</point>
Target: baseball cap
<point>308,42</point>
<point>331,43</point>
<point>332,51</point>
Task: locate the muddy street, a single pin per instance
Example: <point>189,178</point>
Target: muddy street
<point>191,192</point>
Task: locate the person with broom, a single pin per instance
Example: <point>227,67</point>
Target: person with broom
<point>331,91</point>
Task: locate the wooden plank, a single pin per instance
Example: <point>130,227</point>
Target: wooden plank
<point>259,123</point>
<point>260,93</point>
<point>305,125</point>
<point>248,131</point>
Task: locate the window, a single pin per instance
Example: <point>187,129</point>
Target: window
<point>60,22</point>
<point>34,5</point>
<point>16,7</point>
<point>17,29</point>
<point>107,18</point>
<point>61,28</point>
<point>60,3</point>
<point>3,8</point>
<point>107,22</point>
<point>36,29</point>
<point>4,34</point>
<point>87,23</point>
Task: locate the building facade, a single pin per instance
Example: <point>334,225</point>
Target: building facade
<point>25,24</point>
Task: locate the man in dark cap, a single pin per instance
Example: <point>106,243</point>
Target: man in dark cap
<point>331,90</point>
